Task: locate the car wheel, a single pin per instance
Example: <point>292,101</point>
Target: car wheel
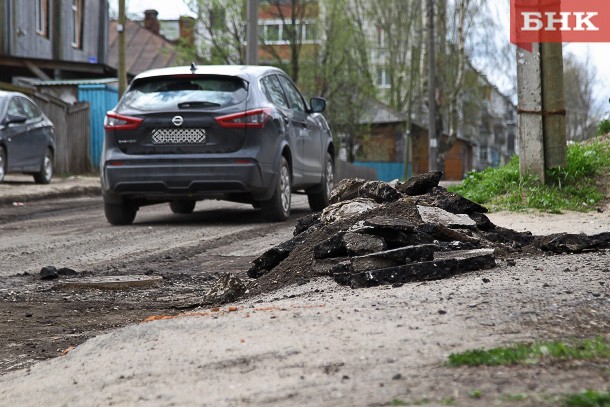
<point>182,207</point>
<point>277,208</point>
<point>2,163</point>
<point>46,169</point>
<point>319,200</point>
<point>120,214</point>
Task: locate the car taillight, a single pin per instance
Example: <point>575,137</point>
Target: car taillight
<point>255,119</point>
<point>115,121</point>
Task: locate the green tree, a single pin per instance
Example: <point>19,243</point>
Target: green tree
<point>584,111</point>
<point>221,26</point>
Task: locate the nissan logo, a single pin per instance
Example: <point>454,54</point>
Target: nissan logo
<point>178,120</point>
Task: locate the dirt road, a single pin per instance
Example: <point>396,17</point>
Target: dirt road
<point>39,319</point>
<point>311,344</point>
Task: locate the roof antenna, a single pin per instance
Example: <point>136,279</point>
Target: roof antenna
<point>193,67</point>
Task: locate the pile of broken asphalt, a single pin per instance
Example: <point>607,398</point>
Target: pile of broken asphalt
<point>375,233</point>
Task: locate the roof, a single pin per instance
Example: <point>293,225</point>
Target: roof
<point>242,71</point>
<point>377,113</point>
<point>64,82</point>
<point>144,49</point>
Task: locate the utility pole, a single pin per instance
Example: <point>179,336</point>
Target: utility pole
<point>433,142</point>
<point>542,129</point>
<point>252,33</point>
<point>122,71</point>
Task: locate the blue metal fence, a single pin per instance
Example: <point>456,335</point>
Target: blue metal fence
<point>101,98</point>
<point>385,171</point>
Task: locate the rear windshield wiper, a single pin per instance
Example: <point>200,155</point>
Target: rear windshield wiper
<point>195,105</point>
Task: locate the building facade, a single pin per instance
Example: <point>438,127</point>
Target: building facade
<point>52,39</point>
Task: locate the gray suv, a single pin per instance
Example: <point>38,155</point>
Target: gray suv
<point>237,133</point>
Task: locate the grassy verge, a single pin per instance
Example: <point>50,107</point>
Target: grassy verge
<point>597,348</point>
<point>573,188</point>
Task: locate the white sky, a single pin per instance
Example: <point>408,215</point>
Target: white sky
<point>599,53</point>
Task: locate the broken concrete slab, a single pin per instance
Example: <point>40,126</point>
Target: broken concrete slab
<point>113,282</point>
<point>346,190</point>
<point>49,273</point>
<point>395,257</point>
<point>379,191</point>
<point>444,234</point>
<point>343,210</point>
<point>420,184</point>
<point>453,203</point>
<point>357,244</point>
<point>433,215</point>
<point>430,270</point>
<point>274,256</point>
<point>387,222</point>
<point>573,243</point>
<point>227,288</point>
<point>332,247</point>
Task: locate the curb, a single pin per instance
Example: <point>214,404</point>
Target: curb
<point>75,190</point>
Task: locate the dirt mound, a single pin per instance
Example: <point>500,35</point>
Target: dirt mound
<point>377,233</point>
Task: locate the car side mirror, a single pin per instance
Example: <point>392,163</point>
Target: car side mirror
<point>318,105</point>
<point>15,119</point>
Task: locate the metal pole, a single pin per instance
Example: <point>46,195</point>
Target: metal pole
<point>122,71</point>
<point>433,142</point>
<point>252,33</point>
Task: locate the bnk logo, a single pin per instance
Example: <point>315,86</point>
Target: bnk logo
<point>559,21</point>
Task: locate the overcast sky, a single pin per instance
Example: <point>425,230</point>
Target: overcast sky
<point>599,53</point>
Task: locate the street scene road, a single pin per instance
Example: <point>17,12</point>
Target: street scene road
<point>311,344</point>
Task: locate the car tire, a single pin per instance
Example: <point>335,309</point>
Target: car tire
<point>277,209</point>
<point>120,214</point>
<point>319,200</point>
<point>46,169</point>
<point>182,207</point>
<point>2,163</point>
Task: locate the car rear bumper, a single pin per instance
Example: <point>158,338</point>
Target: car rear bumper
<point>162,180</point>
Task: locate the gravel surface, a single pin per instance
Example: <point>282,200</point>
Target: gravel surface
<point>322,344</point>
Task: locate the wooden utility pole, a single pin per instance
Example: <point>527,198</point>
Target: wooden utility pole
<point>122,71</point>
<point>433,142</point>
<point>252,33</point>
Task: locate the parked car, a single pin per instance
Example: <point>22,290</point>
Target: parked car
<point>237,133</point>
<point>27,140</point>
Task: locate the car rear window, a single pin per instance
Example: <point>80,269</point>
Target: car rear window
<point>185,92</point>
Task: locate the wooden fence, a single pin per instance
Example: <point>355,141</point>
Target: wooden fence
<point>72,130</point>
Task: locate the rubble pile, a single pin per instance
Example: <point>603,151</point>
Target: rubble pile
<point>375,233</point>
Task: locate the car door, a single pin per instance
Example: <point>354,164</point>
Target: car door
<point>35,136</point>
<point>16,137</point>
<point>309,132</point>
<point>275,93</point>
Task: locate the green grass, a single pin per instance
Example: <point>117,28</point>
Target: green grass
<point>588,398</point>
<point>597,348</point>
<point>570,188</point>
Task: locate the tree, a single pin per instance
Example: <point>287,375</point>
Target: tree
<point>222,26</point>
<point>342,74</point>
<point>584,111</point>
<point>293,33</point>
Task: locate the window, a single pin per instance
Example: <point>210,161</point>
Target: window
<point>294,97</point>
<point>381,37</point>
<point>31,111</point>
<point>383,79</point>
<point>278,32</point>
<point>42,18</point>
<point>159,93</point>
<point>77,23</point>
<point>274,91</point>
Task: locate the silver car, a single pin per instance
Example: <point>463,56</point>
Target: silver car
<point>237,133</point>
